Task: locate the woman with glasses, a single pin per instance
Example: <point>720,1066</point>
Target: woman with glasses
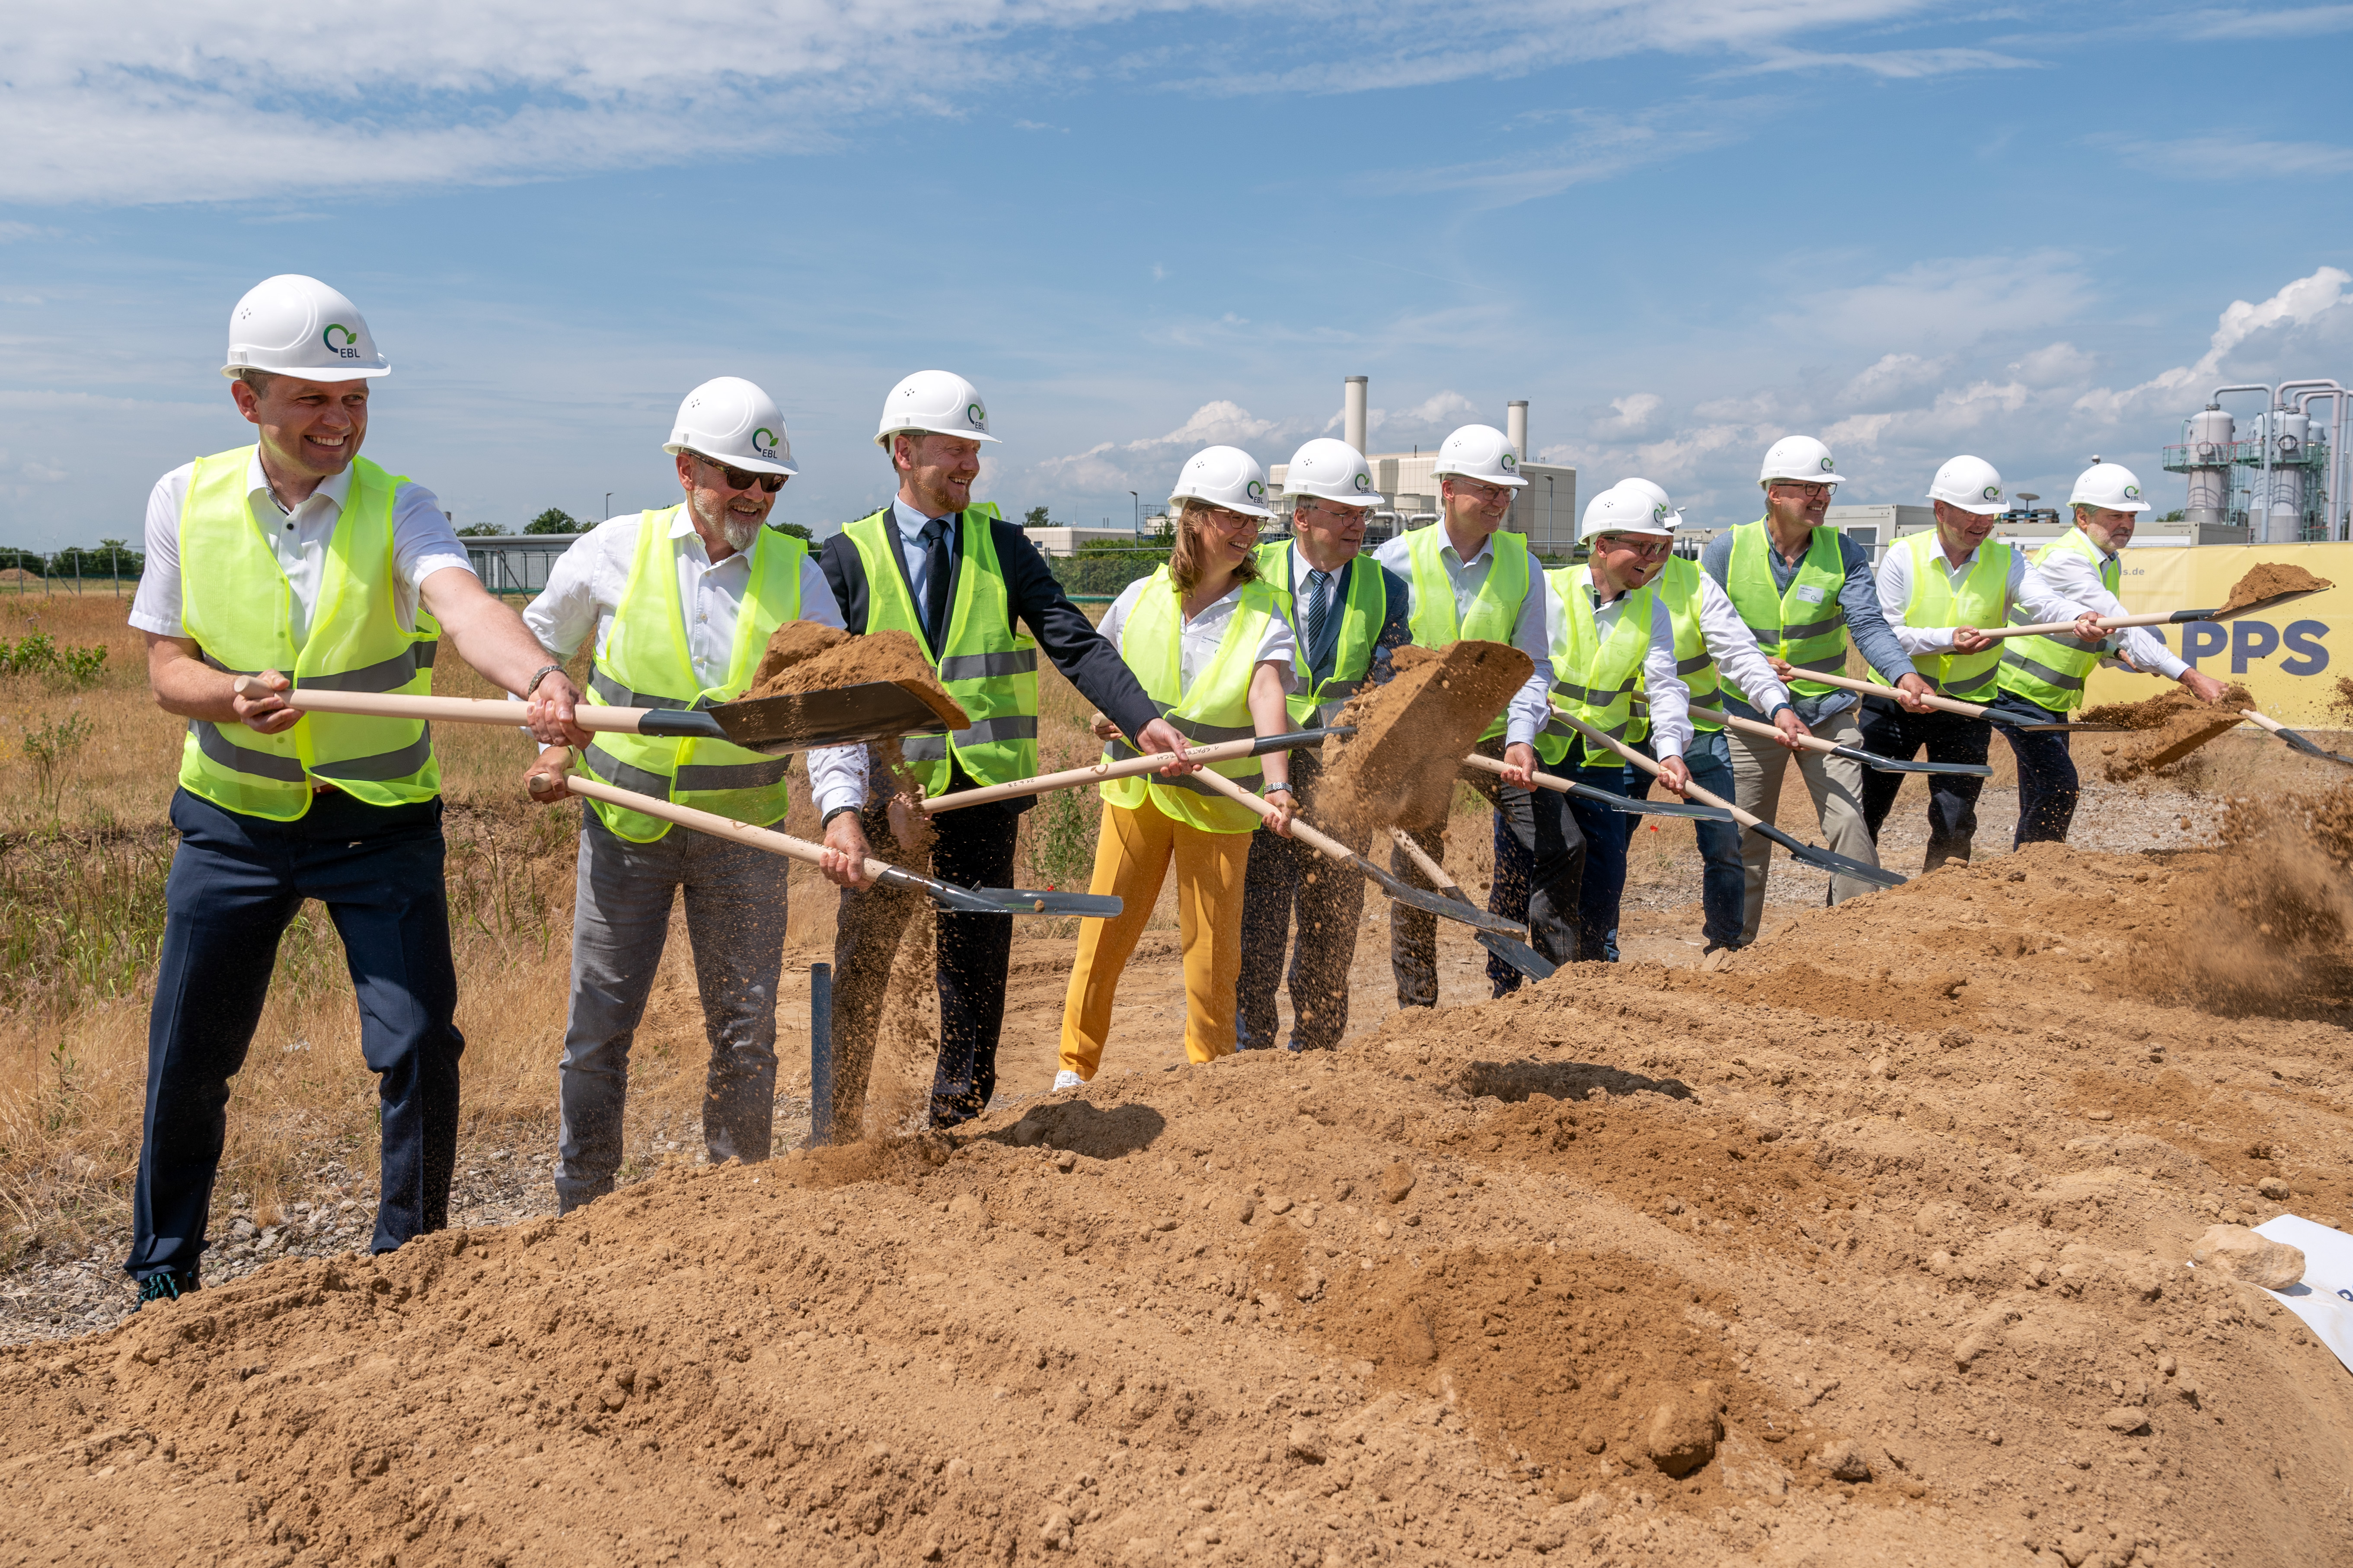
<point>1208,641</point>
<point>679,603</point>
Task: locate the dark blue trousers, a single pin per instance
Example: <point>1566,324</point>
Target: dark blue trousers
<point>1284,875</point>
<point>1723,888</point>
<point>1952,797</point>
<point>235,882</point>
<point>2048,786</point>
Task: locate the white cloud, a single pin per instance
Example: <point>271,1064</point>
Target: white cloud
<point>1895,374</point>
<point>1947,301</point>
<point>1901,64</point>
<point>209,100</point>
<point>2304,23</point>
<point>2226,157</point>
<point>2303,301</point>
<point>2055,364</point>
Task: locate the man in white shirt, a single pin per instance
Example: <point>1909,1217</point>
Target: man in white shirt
<point>1468,576</point>
<point>1938,590</point>
<point>297,561</point>
<point>680,603</point>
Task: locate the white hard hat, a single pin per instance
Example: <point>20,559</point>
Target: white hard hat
<point>729,420</point>
<point>1969,483</point>
<point>1223,475</point>
<point>1623,508</point>
<point>1333,470</point>
<point>1798,457</point>
<point>2109,485</point>
<point>1480,452</point>
<point>293,325</point>
<point>1657,493</point>
<point>938,401</point>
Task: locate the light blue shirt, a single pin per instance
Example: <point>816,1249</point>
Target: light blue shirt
<point>911,545</point>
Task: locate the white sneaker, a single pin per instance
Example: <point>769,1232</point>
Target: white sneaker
<point>1066,1078</point>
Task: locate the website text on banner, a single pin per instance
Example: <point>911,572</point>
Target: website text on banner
<point>2291,660</point>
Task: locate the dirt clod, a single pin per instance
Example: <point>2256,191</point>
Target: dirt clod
<point>802,656</point>
<point>2244,1254</point>
<point>1397,1182</point>
<point>1842,1460</point>
<point>2167,728</point>
<point>2269,580</point>
<point>1683,1431</point>
<point>1400,765</point>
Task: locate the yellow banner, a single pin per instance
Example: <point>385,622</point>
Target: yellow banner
<point>2286,657</point>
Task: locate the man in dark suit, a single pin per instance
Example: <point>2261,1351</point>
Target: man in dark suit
<point>1350,614</point>
<point>963,584</point>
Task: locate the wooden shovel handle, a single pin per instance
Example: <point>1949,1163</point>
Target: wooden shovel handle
<point>1421,858</point>
<point>2052,628</point>
<point>709,822</point>
<point>1301,829</point>
<point>1650,766</point>
<point>1224,750</point>
<point>1763,732</point>
<point>1948,704</point>
<point>438,709</point>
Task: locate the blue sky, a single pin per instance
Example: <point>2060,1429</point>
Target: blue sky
<point>1680,231</point>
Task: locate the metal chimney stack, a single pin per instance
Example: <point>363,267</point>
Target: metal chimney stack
<point>1352,411</point>
<point>1515,427</point>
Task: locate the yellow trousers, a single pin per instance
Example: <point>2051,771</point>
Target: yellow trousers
<point>1132,855</point>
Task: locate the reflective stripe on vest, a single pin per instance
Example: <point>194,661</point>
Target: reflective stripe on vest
<point>1362,611</point>
<point>1979,602</point>
<point>1805,624</point>
<point>1594,676</point>
<point>1494,609</point>
<point>1215,707</point>
<point>1677,586</point>
<point>646,651</point>
<point>988,667</point>
<point>2050,671</point>
<point>237,607</point>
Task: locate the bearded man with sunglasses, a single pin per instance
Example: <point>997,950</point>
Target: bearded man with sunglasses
<point>680,603</point>
<point>1803,588</point>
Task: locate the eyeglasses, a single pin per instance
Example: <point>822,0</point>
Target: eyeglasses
<point>1483,494</point>
<point>1643,546</point>
<point>1800,488</point>
<point>1227,521</point>
<point>737,479</point>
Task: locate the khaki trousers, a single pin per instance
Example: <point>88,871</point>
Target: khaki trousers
<point>1759,767</point>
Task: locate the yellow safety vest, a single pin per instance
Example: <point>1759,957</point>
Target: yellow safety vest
<point>2050,671</point>
<point>1361,614</point>
<point>990,669</point>
<point>646,664</point>
<point>237,607</point>
<point>1494,609</point>
<point>1215,707</point>
<point>1981,602</point>
<point>1677,586</point>
<point>1807,625</point>
<point>1593,677</point>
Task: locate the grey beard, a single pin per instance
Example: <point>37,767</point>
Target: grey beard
<point>739,534</point>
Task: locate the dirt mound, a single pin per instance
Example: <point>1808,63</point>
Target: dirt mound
<point>2274,931</point>
<point>802,656</point>
<point>1411,733</point>
<point>2169,726</point>
<point>2269,580</point>
<point>1636,1263</point>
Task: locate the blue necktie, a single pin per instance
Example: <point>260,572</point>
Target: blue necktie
<point>935,580</point>
<point>1319,605</point>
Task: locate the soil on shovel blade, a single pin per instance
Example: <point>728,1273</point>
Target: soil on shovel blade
<point>2166,728</point>
<point>1411,735</point>
<point>802,656</point>
<point>2269,580</point>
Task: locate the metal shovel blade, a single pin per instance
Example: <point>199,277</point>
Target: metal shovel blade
<point>1518,954</point>
<point>1634,807</point>
<point>1035,901</point>
<point>1904,765</point>
<point>803,720</point>
<point>2263,606</point>
<point>2309,749</point>
<point>1823,860</point>
<point>1404,892</point>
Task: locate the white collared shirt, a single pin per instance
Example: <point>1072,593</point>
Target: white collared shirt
<point>423,543</point>
<point>2068,576</point>
<point>1734,648</point>
<point>585,586</point>
<point>2025,589</point>
<point>1530,709</point>
<point>1198,643</point>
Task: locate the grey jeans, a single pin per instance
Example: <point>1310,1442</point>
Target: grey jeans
<point>1836,785</point>
<point>735,922</point>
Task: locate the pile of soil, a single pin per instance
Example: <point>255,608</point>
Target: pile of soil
<point>802,656</point>
<point>2269,580</point>
<point>2168,726</point>
<point>1411,735</point>
<point>1868,1247</point>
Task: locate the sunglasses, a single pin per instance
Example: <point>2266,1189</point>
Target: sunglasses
<point>740,481</point>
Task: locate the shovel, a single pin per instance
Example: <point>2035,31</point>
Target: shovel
<point>1851,753</point>
<point>798,720</point>
<point>1954,705</point>
<point>1625,804</point>
<point>1403,892</point>
<point>947,895</point>
<point>1518,954</point>
<point>2158,618</point>
<point>1806,854</point>
<point>2293,739</point>
<point>1223,752</point>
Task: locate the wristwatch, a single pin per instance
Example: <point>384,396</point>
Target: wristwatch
<point>827,820</point>
<point>1283,787</point>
